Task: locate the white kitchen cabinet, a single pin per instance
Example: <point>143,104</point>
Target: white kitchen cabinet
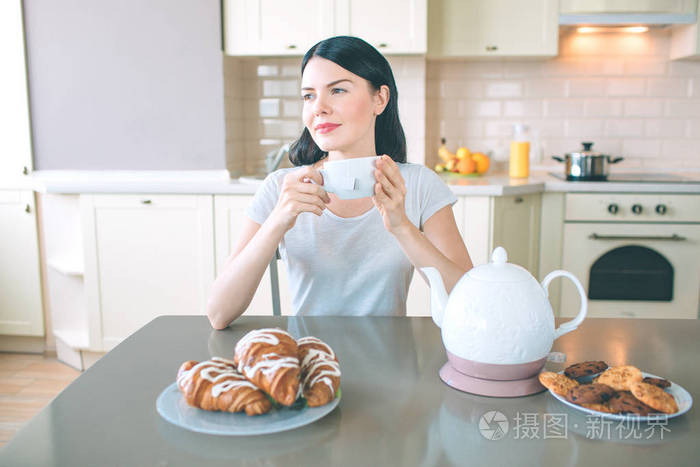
<point>228,212</point>
<point>552,243</point>
<point>16,158</point>
<point>21,312</point>
<point>391,26</point>
<point>275,27</point>
<point>74,329</point>
<point>280,27</point>
<point>516,227</point>
<point>499,28</point>
<point>145,256</point>
<point>508,221</point>
<point>685,40</point>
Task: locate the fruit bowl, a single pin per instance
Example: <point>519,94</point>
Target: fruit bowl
<point>450,175</point>
<point>463,163</point>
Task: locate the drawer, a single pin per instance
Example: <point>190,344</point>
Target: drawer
<point>10,196</point>
<point>651,207</point>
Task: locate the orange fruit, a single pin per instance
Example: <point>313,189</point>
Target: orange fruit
<point>482,162</point>
<point>466,166</point>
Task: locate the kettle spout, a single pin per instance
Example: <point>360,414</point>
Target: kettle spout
<point>438,294</point>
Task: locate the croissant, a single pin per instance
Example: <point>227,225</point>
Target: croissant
<point>216,385</point>
<point>320,371</point>
<point>268,358</point>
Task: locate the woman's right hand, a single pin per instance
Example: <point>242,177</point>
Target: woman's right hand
<point>299,195</point>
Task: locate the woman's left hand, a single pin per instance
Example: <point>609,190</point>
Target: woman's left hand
<point>390,194</point>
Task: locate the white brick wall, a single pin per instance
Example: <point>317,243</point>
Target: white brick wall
<point>617,90</point>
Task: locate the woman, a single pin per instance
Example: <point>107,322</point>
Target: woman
<point>344,257</point>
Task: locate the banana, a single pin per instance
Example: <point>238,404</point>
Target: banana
<point>444,153</point>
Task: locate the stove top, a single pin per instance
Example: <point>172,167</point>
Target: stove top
<point>636,178</point>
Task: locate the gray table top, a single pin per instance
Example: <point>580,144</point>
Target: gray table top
<point>394,410</point>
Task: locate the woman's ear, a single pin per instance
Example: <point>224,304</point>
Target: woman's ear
<point>381,99</point>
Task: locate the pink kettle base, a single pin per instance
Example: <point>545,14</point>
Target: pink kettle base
<point>490,387</point>
<point>492,380</point>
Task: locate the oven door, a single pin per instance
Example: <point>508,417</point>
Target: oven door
<point>633,270</point>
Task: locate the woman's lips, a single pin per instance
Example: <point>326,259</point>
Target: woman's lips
<point>326,127</point>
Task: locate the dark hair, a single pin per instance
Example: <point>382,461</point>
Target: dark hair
<point>360,58</point>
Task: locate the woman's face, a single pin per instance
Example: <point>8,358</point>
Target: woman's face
<point>340,108</point>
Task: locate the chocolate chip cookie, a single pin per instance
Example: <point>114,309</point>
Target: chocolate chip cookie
<point>624,402</point>
<point>590,394</point>
<point>660,382</point>
<point>654,397</point>
<point>558,384</point>
<point>578,370</point>
<point>599,407</point>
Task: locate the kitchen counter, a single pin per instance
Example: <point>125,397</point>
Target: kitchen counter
<point>394,409</point>
<point>218,182</point>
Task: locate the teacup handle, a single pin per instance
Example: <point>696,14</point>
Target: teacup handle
<point>574,323</point>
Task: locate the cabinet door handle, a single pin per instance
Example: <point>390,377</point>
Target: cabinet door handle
<point>291,47</point>
<point>491,48</point>
<point>518,200</point>
<point>25,170</point>
<point>672,238</point>
<point>383,45</point>
<point>145,201</point>
<point>28,209</point>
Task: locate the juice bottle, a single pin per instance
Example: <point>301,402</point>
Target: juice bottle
<point>519,166</point>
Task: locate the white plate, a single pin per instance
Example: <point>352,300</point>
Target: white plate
<point>171,405</point>
<point>683,399</point>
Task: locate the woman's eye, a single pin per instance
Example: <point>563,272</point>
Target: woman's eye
<point>306,97</point>
<point>337,90</point>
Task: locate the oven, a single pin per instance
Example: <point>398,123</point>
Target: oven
<point>637,255</point>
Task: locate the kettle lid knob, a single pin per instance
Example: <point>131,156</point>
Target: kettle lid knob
<point>500,270</point>
<point>499,256</point>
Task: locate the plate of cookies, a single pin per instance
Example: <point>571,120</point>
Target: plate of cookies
<point>617,393</point>
<point>273,383</point>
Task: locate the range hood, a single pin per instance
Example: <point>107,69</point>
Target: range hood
<point>627,12</point>
<point>648,19</point>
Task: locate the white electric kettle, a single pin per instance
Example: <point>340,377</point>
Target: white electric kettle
<point>497,327</point>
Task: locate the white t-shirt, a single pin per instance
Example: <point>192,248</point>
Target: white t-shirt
<point>351,266</point>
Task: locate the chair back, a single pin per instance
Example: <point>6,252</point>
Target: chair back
<point>275,285</point>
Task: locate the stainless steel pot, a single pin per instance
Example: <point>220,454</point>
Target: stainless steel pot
<point>586,164</point>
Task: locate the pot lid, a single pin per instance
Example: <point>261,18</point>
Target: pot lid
<point>500,270</point>
<point>587,151</point>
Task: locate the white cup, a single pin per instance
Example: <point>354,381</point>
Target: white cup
<point>350,178</point>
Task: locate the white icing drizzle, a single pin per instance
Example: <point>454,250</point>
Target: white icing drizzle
<point>260,335</point>
<point>217,369</point>
<point>316,358</point>
<point>269,363</point>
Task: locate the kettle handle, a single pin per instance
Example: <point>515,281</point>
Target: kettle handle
<point>574,323</point>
